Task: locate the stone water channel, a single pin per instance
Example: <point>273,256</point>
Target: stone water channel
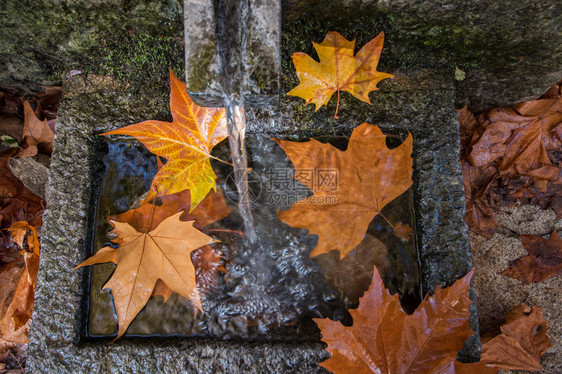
<point>126,82</point>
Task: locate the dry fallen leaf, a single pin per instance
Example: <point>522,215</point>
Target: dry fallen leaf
<point>522,341</point>
<point>143,258</point>
<point>543,262</point>
<point>368,175</point>
<point>36,134</point>
<point>338,70</point>
<point>384,339</point>
<point>185,143</point>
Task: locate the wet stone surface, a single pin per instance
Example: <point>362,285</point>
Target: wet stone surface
<point>424,44</point>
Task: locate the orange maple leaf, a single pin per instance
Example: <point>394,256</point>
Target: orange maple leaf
<point>144,258</point>
<point>384,339</point>
<point>338,70</point>
<point>185,143</point>
<point>369,176</point>
<point>205,259</point>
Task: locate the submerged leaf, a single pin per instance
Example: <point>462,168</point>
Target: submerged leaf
<point>365,177</point>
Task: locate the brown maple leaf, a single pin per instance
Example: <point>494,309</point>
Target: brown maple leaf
<point>36,134</point>
<point>338,70</point>
<point>384,339</point>
<point>522,341</point>
<point>510,153</point>
<point>185,143</point>
<point>543,262</point>
<point>206,260</point>
<point>369,176</point>
<point>144,258</point>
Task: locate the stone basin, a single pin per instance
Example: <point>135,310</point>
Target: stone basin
<point>424,44</point>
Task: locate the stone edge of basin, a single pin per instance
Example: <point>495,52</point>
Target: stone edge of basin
<point>57,343</point>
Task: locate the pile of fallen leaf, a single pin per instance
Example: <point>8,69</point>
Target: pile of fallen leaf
<point>26,132</point>
<point>514,155</point>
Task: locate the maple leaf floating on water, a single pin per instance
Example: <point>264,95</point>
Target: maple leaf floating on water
<point>369,176</point>
<point>384,339</point>
<point>205,260</point>
<point>143,258</point>
<point>338,70</point>
<point>543,262</point>
<point>185,143</point>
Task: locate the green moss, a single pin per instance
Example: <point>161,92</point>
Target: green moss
<point>201,76</point>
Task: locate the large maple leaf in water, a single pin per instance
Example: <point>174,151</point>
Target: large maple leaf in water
<point>143,258</point>
<point>384,339</point>
<point>206,260</point>
<point>338,70</point>
<point>369,176</point>
<point>185,143</point>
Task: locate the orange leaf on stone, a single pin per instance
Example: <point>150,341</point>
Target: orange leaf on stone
<point>384,339</point>
<point>185,143</point>
<point>543,262</point>
<point>522,341</point>
<point>143,258</point>
<point>365,177</point>
<point>338,70</point>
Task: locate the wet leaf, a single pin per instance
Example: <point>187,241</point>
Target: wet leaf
<point>383,338</point>
<point>185,143</point>
<point>510,153</point>
<point>543,262</point>
<point>367,176</point>
<point>144,258</point>
<point>522,341</point>
<point>148,216</point>
<point>338,70</point>
<point>37,135</point>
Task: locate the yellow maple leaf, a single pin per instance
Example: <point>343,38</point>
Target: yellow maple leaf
<point>143,258</point>
<point>338,70</point>
<point>185,143</point>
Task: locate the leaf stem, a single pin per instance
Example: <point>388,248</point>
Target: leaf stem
<point>241,233</point>
<point>223,161</point>
<point>387,221</point>
<point>337,106</point>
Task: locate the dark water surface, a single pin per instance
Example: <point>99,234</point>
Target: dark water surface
<point>271,289</point>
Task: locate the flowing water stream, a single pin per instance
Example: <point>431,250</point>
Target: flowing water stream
<point>232,36</point>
